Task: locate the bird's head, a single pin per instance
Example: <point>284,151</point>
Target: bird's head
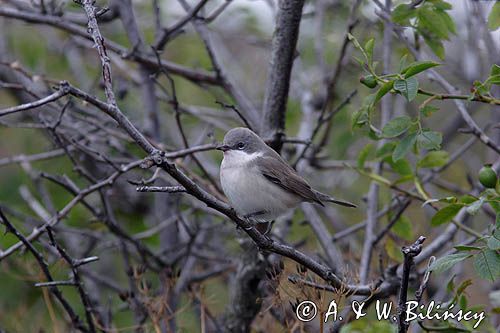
<point>242,140</point>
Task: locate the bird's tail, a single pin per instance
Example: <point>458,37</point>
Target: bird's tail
<point>326,198</point>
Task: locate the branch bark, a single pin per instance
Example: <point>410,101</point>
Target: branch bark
<point>284,43</point>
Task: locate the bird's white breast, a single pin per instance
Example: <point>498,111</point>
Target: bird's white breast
<point>249,191</point>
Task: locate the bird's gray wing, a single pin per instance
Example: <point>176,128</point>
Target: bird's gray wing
<point>279,172</point>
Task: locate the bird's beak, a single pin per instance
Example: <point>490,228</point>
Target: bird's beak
<point>222,147</point>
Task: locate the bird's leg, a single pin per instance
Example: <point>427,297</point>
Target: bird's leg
<point>249,217</point>
<point>269,227</point>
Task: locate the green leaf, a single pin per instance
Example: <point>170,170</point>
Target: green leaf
<point>430,140</point>
<point>363,154</point>
<point>468,199</point>
<point>393,250</point>
<point>404,147</point>
<point>487,265</point>
<point>495,70</point>
<point>494,75</point>
<point>402,14</point>
<point>445,214</point>
<point>450,24</point>
<point>482,88</point>
<point>417,67</point>
<point>440,4</point>
<point>385,150</point>
<point>434,159</point>
<point>357,45</point>
<point>369,49</point>
<point>493,243</point>
<point>431,20</point>
<point>463,302</point>
<point>402,62</point>
<point>396,127</point>
<point>384,89</point>
<point>403,228</point>
<point>444,263</point>
<point>408,88</point>
<point>436,46</point>
<point>401,166</point>
<point>494,17</point>
<point>428,110</point>
<point>404,179</point>
<point>466,248</point>
<point>362,116</point>
<point>493,80</point>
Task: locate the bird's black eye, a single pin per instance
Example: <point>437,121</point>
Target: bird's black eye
<point>241,145</point>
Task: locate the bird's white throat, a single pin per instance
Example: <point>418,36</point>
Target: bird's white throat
<point>238,158</point>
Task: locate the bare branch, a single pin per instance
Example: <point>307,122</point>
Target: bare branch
<point>280,68</point>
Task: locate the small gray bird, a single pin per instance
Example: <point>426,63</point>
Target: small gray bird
<point>259,184</point>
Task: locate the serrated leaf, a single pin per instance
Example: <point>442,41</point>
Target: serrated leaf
<point>403,228</point>
<point>428,110</point>
<point>444,263</point>
<point>404,146</point>
<point>487,265</point>
<point>417,67</point>
<point>494,17</point>
<point>396,127</point>
<point>434,159</point>
<point>408,87</point>
<point>445,214</point>
<point>430,140</point>
<point>384,89</point>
